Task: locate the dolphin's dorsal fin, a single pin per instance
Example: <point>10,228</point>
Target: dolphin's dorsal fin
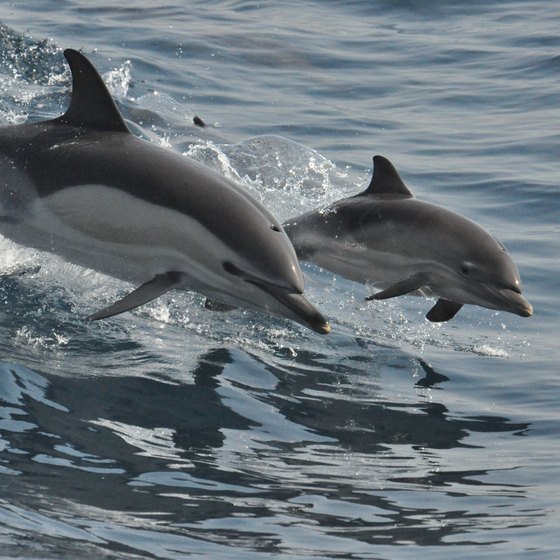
<point>91,105</point>
<point>386,180</point>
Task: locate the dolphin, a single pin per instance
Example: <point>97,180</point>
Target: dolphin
<point>386,237</point>
<point>84,187</point>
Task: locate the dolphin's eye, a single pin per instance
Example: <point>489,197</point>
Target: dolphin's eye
<point>274,227</point>
<point>466,268</point>
<point>230,268</point>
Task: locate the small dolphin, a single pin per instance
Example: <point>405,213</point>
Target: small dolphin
<point>83,187</point>
<point>386,237</point>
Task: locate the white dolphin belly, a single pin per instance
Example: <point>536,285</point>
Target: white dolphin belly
<point>114,232</point>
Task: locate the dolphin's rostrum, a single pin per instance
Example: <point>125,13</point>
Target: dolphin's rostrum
<point>82,186</point>
<point>386,237</point>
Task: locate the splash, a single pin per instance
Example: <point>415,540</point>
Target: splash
<point>118,80</point>
<point>488,350</point>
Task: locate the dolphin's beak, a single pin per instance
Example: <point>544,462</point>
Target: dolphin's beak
<point>301,309</point>
<point>526,310</point>
<point>293,303</point>
<point>512,293</point>
<point>516,303</point>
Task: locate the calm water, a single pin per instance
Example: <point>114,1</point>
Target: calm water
<point>173,432</point>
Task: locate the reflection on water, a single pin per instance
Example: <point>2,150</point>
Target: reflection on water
<point>283,452</point>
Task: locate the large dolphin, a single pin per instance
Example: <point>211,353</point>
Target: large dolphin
<point>83,187</point>
<point>386,237</point>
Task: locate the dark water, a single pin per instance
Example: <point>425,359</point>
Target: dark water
<point>173,432</point>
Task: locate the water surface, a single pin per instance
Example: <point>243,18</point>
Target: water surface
<point>173,432</point>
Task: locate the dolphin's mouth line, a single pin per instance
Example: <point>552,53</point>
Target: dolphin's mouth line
<point>234,270</point>
<point>290,297</point>
<point>503,287</point>
<point>512,296</point>
<point>296,303</point>
<point>501,296</point>
<point>275,291</point>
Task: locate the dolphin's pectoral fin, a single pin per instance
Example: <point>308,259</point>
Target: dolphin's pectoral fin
<point>412,283</point>
<point>213,305</point>
<point>443,310</point>
<point>148,291</point>
<point>197,121</point>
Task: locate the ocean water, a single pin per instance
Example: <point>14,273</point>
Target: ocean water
<point>174,432</point>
